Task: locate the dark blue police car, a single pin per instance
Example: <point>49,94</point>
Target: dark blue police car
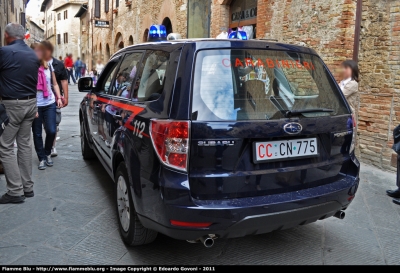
<point>211,138</point>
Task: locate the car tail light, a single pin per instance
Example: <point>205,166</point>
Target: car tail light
<point>190,224</point>
<point>171,142</point>
<point>353,141</point>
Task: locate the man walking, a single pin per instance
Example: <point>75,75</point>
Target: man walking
<point>69,65</point>
<point>18,81</point>
<point>62,80</point>
<point>78,68</point>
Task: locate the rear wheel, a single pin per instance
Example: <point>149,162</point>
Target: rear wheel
<point>87,152</point>
<point>132,231</point>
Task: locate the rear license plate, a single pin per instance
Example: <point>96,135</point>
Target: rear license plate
<point>285,149</point>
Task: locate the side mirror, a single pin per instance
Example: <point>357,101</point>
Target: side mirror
<point>85,84</point>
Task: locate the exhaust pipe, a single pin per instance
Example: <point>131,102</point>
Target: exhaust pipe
<point>340,214</point>
<point>207,241</point>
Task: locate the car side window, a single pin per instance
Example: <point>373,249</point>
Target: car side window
<point>125,75</point>
<point>150,80</point>
<point>104,87</point>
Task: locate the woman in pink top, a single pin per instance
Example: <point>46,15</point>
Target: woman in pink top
<point>48,97</point>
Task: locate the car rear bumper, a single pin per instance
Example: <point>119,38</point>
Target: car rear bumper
<point>249,216</point>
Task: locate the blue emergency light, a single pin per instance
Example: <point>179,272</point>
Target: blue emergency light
<point>241,35</point>
<point>157,33</point>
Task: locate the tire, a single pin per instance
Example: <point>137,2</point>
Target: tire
<point>87,152</point>
<point>132,231</point>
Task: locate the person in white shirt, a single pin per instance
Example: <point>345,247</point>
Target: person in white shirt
<point>48,98</point>
<point>349,84</point>
<point>99,67</point>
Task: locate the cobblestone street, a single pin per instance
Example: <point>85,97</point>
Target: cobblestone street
<point>71,220</point>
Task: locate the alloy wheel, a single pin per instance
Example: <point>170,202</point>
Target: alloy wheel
<point>123,204</point>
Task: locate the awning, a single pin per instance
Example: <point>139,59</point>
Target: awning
<point>82,10</point>
<point>43,6</point>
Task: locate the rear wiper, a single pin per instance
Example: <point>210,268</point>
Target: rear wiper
<point>299,112</point>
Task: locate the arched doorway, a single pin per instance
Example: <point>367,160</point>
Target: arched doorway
<point>145,35</point>
<point>107,52</point>
<point>168,25</point>
<point>119,42</point>
<point>130,41</point>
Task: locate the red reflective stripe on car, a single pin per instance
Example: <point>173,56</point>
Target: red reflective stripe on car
<point>134,109</point>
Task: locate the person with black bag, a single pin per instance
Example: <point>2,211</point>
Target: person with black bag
<point>18,94</point>
<point>396,147</point>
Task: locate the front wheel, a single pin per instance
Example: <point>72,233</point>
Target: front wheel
<point>132,231</point>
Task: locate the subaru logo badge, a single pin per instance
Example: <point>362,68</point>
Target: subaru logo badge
<point>293,128</point>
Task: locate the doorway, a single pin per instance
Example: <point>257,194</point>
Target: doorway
<point>168,25</point>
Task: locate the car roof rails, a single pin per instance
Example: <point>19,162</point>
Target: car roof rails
<point>268,39</point>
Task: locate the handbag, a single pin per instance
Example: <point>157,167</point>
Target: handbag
<point>4,119</point>
<point>396,138</point>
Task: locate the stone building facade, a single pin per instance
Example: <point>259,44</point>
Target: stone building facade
<point>62,29</point>
<point>110,25</point>
<point>379,109</point>
<point>35,30</point>
<point>11,11</point>
<point>329,27</point>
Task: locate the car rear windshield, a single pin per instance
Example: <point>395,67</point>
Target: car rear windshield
<point>262,85</point>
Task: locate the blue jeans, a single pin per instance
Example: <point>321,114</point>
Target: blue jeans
<point>47,117</point>
<point>77,73</point>
<point>71,75</point>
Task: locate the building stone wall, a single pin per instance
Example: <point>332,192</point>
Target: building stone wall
<point>379,110</point>
<point>3,20</point>
<point>49,20</point>
<point>55,26</point>
<point>128,24</point>
<point>11,14</point>
<point>326,26</point>
<point>36,32</point>
<point>85,37</point>
<point>71,26</point>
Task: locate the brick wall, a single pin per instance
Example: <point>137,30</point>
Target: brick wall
<point>219,17</point>
<point>326,26</point>
<point>379,110</point>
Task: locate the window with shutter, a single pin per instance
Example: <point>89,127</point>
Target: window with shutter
<point>58,39</point>
<point>97,8</point>
<point>22,16</point>
<point>106,5</point>
<point>12,6</point>
<point>117,3</point>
